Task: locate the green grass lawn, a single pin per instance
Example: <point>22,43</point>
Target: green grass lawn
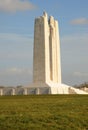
<point>44,112</point>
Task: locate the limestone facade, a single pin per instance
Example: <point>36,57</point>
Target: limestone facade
<point>46,65</point>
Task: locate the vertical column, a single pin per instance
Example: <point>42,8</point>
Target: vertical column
<point>37,91</point>
<point>58,64</point>
<point>41,50</point>
<point>52,40</point>
<point>55,67</point>
<point>47,56</point>
<point>25,91</point>
<point>1,92</point>
<point>39,54</point>
<point>49,92</point>
<point>13,91</point>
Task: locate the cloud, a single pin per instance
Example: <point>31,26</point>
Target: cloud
<point>13,76</point>
<point>80,74</point>
<point>16,71</point>
<point>13,37</point>
<point>15,5</point>
<point>80,21</point>
<point>75,39</point>
<point>74,51</point>
<point>74,60</point>
<point>16,46</point>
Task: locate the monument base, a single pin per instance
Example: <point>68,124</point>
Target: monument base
<point>53,88</point>
<point>41,88</point>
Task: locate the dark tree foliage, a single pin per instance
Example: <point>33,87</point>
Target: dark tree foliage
<point>85,84</point>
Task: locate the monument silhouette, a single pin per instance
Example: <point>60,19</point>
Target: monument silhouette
<point>46,58</point>
<point>46,62</point>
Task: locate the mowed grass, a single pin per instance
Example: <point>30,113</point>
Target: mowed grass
<point>44,112</point>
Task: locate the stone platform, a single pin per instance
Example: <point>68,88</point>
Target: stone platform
<point>38,89</point>
<point>54,88</point>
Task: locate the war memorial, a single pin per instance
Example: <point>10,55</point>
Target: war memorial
<point>46,62</point>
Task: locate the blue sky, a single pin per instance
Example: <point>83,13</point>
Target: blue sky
<point>16,39</point>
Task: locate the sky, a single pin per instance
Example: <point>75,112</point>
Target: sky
<point>17,35</point>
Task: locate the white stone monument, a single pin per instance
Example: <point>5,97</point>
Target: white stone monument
<point>46,58</point>
<point>46,66</point>
<point>46,62</point>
